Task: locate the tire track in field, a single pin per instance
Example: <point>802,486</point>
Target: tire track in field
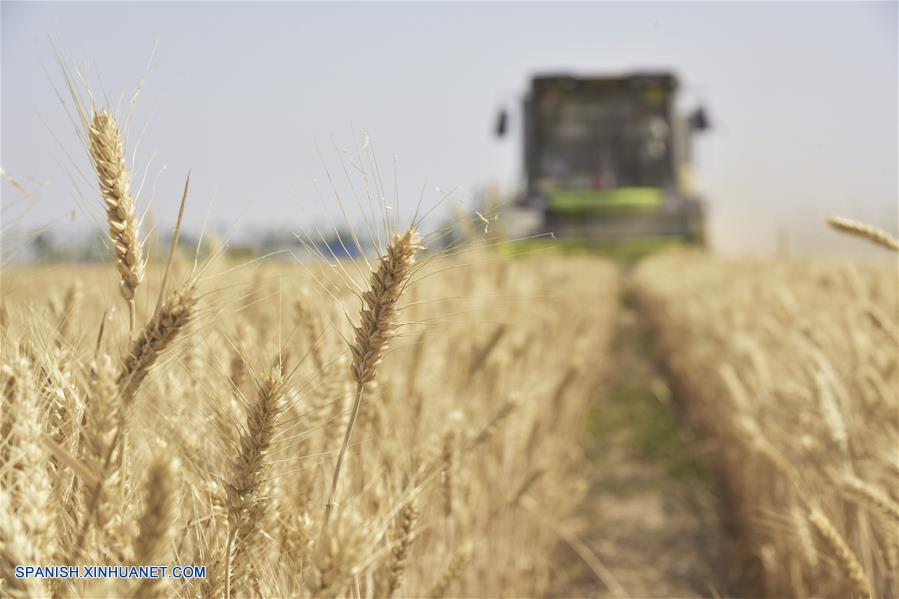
<point>652,515</point>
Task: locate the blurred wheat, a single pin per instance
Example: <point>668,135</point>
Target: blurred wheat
<point>790,370</point>
<point>461,423</point>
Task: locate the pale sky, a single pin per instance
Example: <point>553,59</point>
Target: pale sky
<point>253,98</point>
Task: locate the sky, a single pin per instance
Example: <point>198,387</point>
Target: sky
<point>263,101</point>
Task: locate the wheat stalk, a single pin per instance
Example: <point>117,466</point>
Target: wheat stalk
<point>372,334</point>
<point>449,443</point>
<point>526,485</point>
<point>170,318</point>
<point>71,306</point>
<point>107,152</point>
<point>480,357</point>
<point>311,331</point>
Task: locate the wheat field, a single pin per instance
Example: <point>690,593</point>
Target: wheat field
<point>789,370</point>
<point>407,423</point>
<point>411,423</point>
<point>463,463</point>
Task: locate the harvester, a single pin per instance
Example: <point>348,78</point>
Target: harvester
<point>607,160</point>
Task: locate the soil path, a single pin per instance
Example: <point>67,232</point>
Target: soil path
<point>652,514</point>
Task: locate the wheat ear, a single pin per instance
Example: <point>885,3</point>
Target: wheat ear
<point>490,429</point>
<point>170,318</point>
<point>102,416</point>
<point>865,231</point>
<point>168,321</point>
<point>379,305</point>
<point>453,571</point>
<point>156,524</point>
<point>847,559</point>
<point>804,536</point>
<point>871,497</point>
<point>16,549</point>
<point>107,152</point>
<point>244,504</point>
<point>407,520</point>
<point>32,486</point>
<point>374,331</point>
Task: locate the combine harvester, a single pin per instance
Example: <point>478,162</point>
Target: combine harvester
<point>607,165</point>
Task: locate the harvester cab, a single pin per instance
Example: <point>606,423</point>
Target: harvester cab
<point>607,159</point>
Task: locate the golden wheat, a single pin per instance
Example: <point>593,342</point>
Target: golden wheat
<point>108,154</point>
<point>396,463</point>
<point>865,231</point>
<point>391,530</point>
<point>781,365</point>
